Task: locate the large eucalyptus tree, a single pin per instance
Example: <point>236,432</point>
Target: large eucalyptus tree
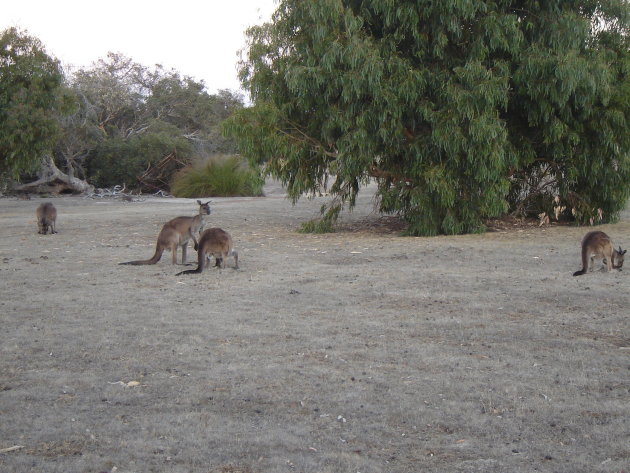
<point>460,109</point>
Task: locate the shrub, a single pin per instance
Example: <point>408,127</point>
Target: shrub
<point>118,161</point>
<point>218,176</point>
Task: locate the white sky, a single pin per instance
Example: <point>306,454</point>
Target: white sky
<point>197,38</point>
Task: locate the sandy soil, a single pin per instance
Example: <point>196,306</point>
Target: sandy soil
<point>358,351</point>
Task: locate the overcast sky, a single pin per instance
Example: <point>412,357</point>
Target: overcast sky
<point>197,38</point>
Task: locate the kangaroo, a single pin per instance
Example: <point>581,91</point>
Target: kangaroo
<point>177,232</point>
<point>598,244</point>
<point>46,218</point>
<point>214,242</point>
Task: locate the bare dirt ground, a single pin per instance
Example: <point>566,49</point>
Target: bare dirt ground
<point>358,351</point>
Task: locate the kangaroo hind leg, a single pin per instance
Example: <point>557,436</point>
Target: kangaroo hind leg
<point>173,248</point>
<point>184,259</point>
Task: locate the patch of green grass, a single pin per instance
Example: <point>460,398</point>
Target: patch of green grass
<point>326,224</point>
<point>317,226</point>
<point>219,176</point>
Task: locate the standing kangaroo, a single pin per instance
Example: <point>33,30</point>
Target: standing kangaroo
<point>213,242</point>
<point>46,218</point>
<point>178,232</point>
<point>598,244</point>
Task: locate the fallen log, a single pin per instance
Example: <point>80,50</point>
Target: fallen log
<point>53,181</point>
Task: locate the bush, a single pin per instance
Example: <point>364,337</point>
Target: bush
<point>118,161</point>
<point>219,176</point>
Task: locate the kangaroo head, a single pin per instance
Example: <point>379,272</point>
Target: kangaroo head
<point>204,209</point>
<point>620,257</point>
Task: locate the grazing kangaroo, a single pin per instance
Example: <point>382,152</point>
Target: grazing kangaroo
<point>46,218</point>
<point>598,244</point>
<point>177,232</point>
<point>214,242</point>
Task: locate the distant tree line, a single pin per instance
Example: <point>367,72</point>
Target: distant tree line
<point>459,110</point>
<point>108,124</point>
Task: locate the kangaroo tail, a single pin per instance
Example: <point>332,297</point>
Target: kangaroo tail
<point>156,257</point>
<point>189,271</point>
<point>584,261</point>
<point>201,258</point>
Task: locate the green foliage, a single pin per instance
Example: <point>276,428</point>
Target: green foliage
<point>219,176</point>
<point>460,110</point>
<point>568,125</point>
<point>131,117</point>
<point>31,96</point>
<point>119,161</point>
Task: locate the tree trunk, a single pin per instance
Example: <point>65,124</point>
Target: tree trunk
<point>53,181</point>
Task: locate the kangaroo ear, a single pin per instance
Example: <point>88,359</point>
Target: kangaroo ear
<point>199,202</point>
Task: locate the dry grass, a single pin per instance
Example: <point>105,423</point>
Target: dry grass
<point>353,351</point>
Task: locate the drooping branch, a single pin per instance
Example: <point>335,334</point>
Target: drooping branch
<point>303,138</point>
<point>379,173</point>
